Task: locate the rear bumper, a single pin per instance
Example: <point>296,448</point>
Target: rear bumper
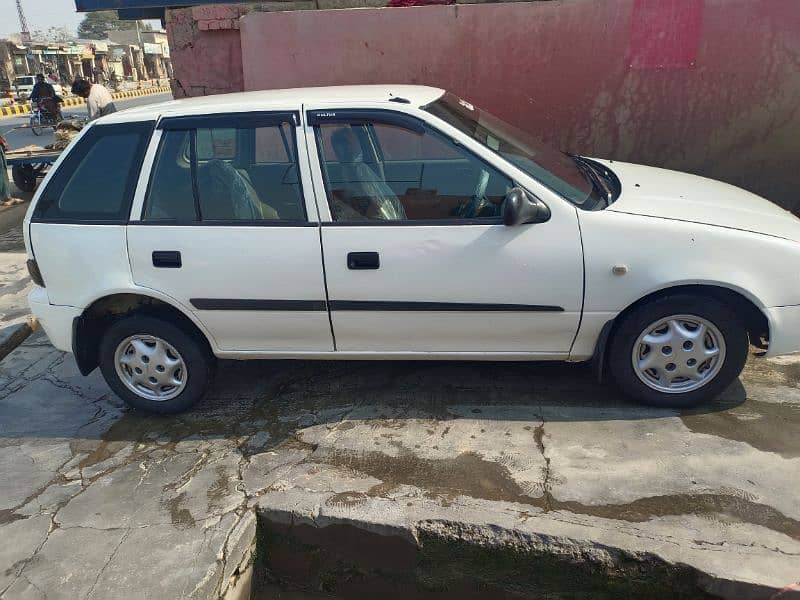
<point>784,329</point>
<point>55,320</point>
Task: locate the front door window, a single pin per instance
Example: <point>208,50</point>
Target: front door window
<point>379,171</point>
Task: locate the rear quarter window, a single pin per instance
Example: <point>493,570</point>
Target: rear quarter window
<point>95,183</point>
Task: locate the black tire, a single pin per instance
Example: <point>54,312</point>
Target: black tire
<point>195,354</point>
<point>633,324</point>
<point>24,177</point>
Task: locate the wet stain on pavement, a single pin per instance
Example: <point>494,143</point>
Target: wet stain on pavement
<point>766,426</point>
<point>180,516</point>
<point>467,474</point>
<point>470,475</point>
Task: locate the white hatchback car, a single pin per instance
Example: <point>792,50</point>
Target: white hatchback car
<point>376,222</point>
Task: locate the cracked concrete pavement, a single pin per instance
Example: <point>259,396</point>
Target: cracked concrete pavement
<point>97,501</point>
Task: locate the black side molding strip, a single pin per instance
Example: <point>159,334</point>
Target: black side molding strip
<point>390,306</point>
<point>364,305</point>
<point>284,305</point>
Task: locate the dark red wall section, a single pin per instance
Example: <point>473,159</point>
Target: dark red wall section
<point>705,86</point>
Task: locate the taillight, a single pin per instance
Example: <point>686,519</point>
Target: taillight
<point>35,273</point>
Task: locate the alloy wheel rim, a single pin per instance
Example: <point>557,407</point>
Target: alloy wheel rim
<point>678,354</point>
<point>150,367</point>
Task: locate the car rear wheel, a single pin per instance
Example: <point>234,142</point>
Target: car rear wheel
<point>153,365</point>
<point>678,351</point>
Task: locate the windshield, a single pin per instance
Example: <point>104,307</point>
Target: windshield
<point>24,81</point>
<point>548,166</point>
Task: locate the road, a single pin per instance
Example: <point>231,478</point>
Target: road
<point>24,137</point>
<point>11,217</point>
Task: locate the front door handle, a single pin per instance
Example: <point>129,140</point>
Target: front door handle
<point>167,259</point>
<point>358,261</point>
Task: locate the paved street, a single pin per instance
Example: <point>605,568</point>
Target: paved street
<point>25,137</point>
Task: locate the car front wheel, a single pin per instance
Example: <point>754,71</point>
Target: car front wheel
<point>678,351</point>
<point>153,365</point>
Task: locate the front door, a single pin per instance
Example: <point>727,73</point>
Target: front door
<point>416,256</point>
<point>224,231</point>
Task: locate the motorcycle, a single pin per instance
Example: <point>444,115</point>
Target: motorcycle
<point>46,113</point>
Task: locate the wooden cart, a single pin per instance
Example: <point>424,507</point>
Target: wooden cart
<point>27,167</point>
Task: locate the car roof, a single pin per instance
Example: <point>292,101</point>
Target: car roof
<point>417,95</point>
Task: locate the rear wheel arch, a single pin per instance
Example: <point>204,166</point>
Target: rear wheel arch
<point>751,315</point>
<point>89,327</point>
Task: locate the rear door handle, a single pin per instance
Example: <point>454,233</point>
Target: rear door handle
<point>167,259</point>
<point>359,261</point>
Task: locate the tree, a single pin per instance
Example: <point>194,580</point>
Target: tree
<point>95,25</point>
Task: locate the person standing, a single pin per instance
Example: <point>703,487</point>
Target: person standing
<point>99,101</point>
<point>6,199</point>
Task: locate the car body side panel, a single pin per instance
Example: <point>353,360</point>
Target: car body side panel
<point>660,253</point>
<point>78,260</point>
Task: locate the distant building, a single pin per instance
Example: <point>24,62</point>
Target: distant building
<point>123,55</point>
<point>145,53</point>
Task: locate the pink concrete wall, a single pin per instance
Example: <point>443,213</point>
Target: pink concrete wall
<point>206,50</point>
<point>706,86</point>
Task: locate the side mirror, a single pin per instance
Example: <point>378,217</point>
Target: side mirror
<point>520,208</point>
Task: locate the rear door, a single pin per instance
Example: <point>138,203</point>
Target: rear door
<point>224,229</point>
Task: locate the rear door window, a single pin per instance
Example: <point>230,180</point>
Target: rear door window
<point>241,174</point>
<point>97,180</point>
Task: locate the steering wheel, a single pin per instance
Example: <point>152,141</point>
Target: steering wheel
<point>476,203</point>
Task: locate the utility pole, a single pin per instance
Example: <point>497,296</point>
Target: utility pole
<point>24,33</point>
<point>141,49</point>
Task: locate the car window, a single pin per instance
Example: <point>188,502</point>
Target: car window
<point>216,143</point>
<point>97,179</point>
<point>378,171</point>
<point>226,175</point>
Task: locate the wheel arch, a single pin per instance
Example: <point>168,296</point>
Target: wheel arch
<point>744,304</point>
<point>89,327</point>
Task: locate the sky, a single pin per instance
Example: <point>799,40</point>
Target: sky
<point>41,14</point>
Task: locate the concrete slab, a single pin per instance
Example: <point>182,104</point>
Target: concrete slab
<point>98,501</point>
<point>15,283</point>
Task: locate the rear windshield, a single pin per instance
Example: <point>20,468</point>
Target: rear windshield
<point>24,81</point>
